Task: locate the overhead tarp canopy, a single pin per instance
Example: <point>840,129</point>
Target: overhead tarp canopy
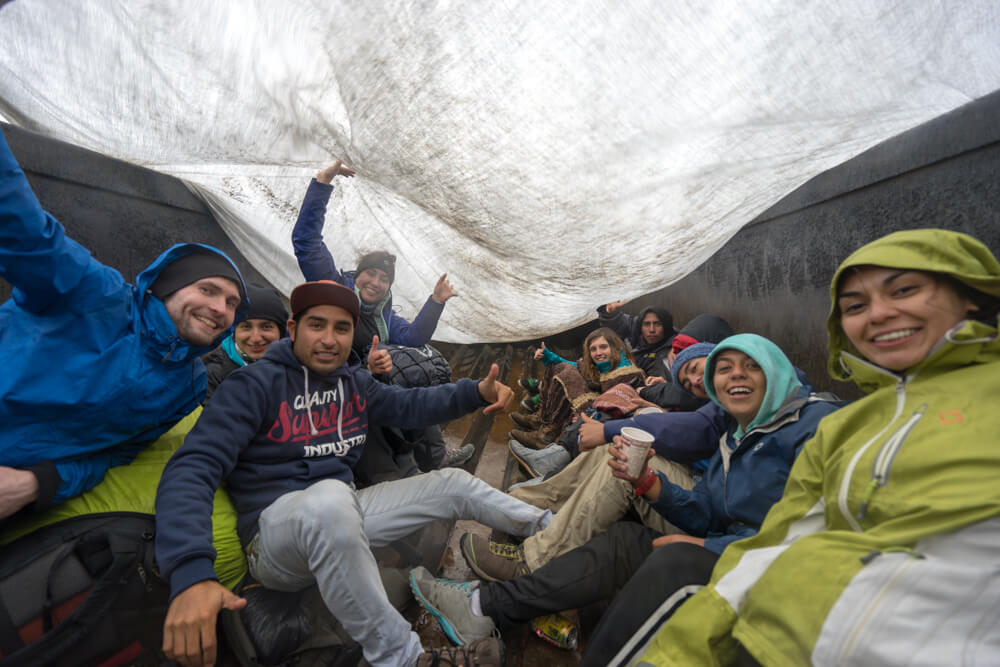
<point>549,157</point>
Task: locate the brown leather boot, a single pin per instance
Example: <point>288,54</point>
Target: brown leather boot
<point>531,439</point>
<point>528,422</point>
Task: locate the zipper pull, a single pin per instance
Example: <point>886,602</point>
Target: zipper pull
<point>869,492</point>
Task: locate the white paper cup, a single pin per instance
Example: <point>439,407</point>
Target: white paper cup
<point>638,442</point>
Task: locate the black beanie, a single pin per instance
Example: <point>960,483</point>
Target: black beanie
<point>193,267</point>
<point>266,304</point>
<point>380,259</point>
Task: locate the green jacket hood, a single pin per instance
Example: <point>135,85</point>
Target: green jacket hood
<point>954,254</point>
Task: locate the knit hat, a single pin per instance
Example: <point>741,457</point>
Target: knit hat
<point>686,355</point>
<point>194,266</point>
<point>682,341</point>
<point>266,304</point>
<point>325,293</point>
<point>379,259</point>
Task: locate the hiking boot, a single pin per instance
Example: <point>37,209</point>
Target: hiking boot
<point>540,462</point>
<point>453,458</point>
<point>529,422</point>
<point>530,385</point>
<point>532,439</point>
<point>531,403</point>
<point>492,560</point>
<point>449,602</point>
<point>482,653</point>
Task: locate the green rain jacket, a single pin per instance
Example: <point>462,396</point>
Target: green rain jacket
<point>885,547</point>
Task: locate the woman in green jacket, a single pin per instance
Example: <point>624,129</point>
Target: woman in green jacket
<point>885,547</point>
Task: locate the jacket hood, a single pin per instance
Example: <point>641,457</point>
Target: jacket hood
<point>954,254</point>
<point>707,328</point>
<point>782,380</point>
<point>154,312</point>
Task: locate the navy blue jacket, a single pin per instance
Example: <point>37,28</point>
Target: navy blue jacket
<point>745,478</point>
<point>93,368</point>
<point>684,437</point>
<point>274,427</point>
<point>317,263</point>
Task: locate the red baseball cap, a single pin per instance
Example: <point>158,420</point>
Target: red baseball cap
<point>325,293</point>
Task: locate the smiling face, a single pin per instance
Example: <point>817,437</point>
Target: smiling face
<point>600,350</point>
<point>254,336</point>
<point>203,310</point>
<point>740,385</point>
<point>372,284</point>
<point>652,329</point>
<point>692,377</point>
<point>322,337</point>
<point>894,317</point>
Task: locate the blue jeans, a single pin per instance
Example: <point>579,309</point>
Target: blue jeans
<point>324,534</point>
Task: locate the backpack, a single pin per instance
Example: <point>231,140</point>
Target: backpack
<point>81,592</point>
<point>416,366</point>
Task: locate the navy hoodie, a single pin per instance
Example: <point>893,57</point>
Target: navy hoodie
<point>274,427</point>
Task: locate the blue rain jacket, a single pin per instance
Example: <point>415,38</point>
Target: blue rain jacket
<point>93,368</point>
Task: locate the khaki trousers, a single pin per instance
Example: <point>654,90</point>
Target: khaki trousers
<point>587,500</point>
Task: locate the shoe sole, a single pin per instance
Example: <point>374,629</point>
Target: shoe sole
<point>524,464</point>
<point>442,621</point>
<point>463,546</point>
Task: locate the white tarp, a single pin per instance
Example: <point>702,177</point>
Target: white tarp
<point>550,156</point>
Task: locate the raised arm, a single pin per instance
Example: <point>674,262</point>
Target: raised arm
<point>36,256</point>
<point>612,316</point>
<point>313,256</point>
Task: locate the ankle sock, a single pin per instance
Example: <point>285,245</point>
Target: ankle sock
<point>474,604</point>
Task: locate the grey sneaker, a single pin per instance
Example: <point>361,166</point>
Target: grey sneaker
<point>493,560</point>
<point>481,653</point>
<point>540,462</point>
<point>448,601</point>
<point>456,457</point>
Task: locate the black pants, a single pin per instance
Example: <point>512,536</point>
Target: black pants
<point>619,564</point>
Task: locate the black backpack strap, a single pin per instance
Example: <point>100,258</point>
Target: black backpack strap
<point>10,641</point>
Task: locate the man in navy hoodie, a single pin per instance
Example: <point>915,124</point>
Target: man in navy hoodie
<point>284,434</point>
<point>94,368</point>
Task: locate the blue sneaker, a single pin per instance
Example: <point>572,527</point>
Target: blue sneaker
<point>449,602</point>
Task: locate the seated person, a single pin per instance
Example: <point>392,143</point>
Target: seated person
<point>658,393</point>
<point>388,454</point>
<point>883,548</point>
<point>94,369</point>
<point>284,433</point>
<point>770,415</point>
<point>569,388</point>
<point>370,281</point>
<point>588,499</point>
<point>648,335</point>
<point>264,324</point>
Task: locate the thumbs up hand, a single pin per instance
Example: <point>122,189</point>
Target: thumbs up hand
<point>497,394</point>
<point>379,361</point>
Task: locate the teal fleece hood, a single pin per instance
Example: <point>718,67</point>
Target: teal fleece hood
<point>782,380</point>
